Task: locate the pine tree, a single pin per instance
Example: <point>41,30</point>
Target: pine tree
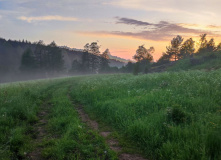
<point>129,67</point>
<point>104,61</point>
<point>143,57</point>
<point>76,67</point>
<point>218,48</point>
<point>28,63</point>
<point>210,46</point>
<point>187,49</point>
<point>54,58</point>
<point>174,49</point>
<point>94,56</point>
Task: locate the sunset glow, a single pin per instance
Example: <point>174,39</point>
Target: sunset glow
<point>120,25</point>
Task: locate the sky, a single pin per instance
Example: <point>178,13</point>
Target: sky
<point>119,25</point>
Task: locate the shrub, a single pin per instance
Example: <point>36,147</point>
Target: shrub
<point>177,115</point>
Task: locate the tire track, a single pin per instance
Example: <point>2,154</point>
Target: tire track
<point>112,143</point>
<point>40,131</point>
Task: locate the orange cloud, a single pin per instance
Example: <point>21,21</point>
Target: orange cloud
<point>213,27</point>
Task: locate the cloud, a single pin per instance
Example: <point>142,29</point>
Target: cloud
<point>214,27</point>
<point>47,18</point>
<point>151,5</point>
<point>161,31</point>
<point>161,24</point>
<point>189,25</point>
<point>131,22</point>
<point>169,6</point>
<point>144,35</point>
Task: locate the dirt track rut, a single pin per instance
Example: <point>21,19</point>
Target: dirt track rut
<point>40,130</point>
<point>113,143</point>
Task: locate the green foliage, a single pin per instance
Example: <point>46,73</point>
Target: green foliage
<point>179,51</point>
<point>76,67</point>
<point>145,66</point>
<point>74,140</point>
<point>129,67</point>
<point>93,58</point>
<point>144,54</point>
<point>55,62</point>
<point>207,61</point>
<point>136,68</point>
<point>48,58</point>
<point>173,51</point>
<point>213,144</point>
<point>177,115</point>
<point>69,137</point>
<point>171,115</point>
<point>28,61</point>
<point>18,109</point>
<point>137,107</point>
<point>164,59</point>
<point>104,68</point>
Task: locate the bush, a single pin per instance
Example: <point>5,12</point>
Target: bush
<point>177,115</point>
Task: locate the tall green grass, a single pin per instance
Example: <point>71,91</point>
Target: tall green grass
<point>167,115</point>
<point>69,137</point>
<point>66,137</point>
<point>19,104</point>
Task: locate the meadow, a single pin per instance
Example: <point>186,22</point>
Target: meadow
<point>63,136</point>
<point>170,115</point>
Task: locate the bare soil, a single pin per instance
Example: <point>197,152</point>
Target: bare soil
<point>40,130</point>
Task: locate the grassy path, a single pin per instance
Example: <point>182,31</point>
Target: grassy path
<point>113,143</point>
<point>69,137</point>
<point>40,131</point>
<point>55,137</point>
<point>39,122</point>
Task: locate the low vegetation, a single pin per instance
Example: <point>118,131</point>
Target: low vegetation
<point>167,115</point>
<point>170,115</point>
<point>65,137</point>
<point>69,137</point>
<point>206,62</point>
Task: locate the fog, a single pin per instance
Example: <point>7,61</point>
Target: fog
<point>8,78</point>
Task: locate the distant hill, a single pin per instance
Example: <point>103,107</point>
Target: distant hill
<point>118,58</point>
<point>114,61</point>
<point>71,49</point>
<point>71,54</point>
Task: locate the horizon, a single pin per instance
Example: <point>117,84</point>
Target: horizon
<point>120,25</point>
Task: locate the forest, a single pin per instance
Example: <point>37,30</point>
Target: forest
<point>22,60</point>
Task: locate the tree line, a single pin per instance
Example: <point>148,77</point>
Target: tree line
<point>92,61</point>
<point>26,58</point>
<point>43,58</point>
<point>48,59</point>
<point>180,49</point>
<point>177,50</point>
